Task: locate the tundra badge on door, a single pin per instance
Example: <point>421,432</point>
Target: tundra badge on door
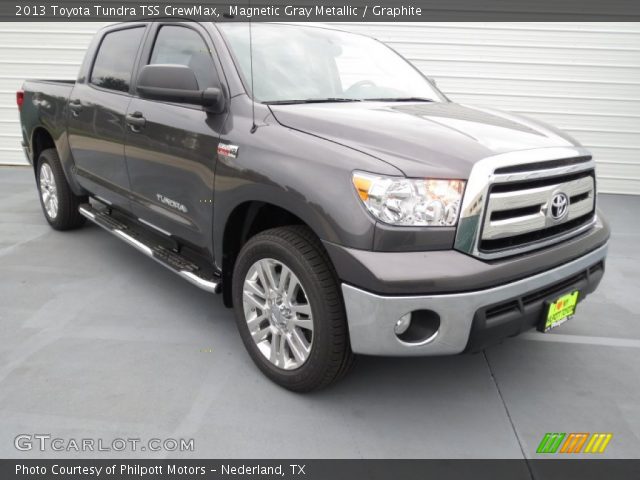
<point>172,203</point>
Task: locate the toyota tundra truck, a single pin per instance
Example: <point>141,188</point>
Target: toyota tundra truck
<point>335,198</point>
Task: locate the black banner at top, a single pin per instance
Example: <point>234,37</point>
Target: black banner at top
<point>324,11</point>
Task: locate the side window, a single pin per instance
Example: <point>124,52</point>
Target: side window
<point>116,56</point>
<point>184,46</point>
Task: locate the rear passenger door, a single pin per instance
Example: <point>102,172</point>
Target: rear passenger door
<point>171,158</point>
<point>97,108</point>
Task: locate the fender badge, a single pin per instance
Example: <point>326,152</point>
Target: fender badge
<point>228,150</point>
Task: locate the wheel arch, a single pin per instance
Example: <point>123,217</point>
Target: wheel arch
<point>41,140</point>
<point>245,221</point>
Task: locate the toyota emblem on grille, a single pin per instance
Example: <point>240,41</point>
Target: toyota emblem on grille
<point>559,206</point>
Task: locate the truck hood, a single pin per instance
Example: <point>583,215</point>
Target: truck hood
<point>422,139</point>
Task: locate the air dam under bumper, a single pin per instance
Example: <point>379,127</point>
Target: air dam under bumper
<point>372,318</point>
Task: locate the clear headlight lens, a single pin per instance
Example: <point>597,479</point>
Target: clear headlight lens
<point>409,201</point>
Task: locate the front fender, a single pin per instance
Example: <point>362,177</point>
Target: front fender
<point>303,174</point>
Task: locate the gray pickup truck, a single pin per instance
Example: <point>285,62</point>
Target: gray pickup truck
<point>336,199</point>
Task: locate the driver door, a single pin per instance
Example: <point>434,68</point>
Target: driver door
<point>171,148</point>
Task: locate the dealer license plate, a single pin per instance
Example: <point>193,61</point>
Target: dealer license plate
<point>559,311</point>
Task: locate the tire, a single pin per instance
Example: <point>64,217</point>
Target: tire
<point>284,321</point>
<point>59,203</point>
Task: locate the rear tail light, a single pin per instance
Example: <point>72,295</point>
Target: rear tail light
<point>20,99</point>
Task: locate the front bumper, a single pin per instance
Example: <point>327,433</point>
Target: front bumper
<point>472,319</point>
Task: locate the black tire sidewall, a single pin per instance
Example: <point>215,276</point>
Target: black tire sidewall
<point>314,368</point>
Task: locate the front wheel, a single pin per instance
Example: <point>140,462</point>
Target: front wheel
<point>289,309</point>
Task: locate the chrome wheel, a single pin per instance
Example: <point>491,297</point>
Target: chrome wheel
<point>278,313</point>
<point>48,191</point>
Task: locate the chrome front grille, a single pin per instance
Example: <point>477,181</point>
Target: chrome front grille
<point>521,201</point>
<point>523,212</point>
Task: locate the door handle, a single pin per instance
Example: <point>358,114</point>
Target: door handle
<point>75,107</point>
<point>135,121</point>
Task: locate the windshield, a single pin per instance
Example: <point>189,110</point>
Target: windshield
<point>298,63</point>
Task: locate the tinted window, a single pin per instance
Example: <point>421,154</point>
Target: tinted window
<point>184,46</point>
<point>116,56</point>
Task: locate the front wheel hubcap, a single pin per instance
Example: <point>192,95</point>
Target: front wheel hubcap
<point>48,191</point>
<point>278,313</point>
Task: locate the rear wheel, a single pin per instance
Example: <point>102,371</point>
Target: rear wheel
<point>59,203</point>
<point>289,309</point>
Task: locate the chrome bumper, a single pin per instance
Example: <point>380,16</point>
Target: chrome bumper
<point>372,317</point>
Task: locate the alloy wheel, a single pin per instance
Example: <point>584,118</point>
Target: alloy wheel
<point>48,191</point>
<point>278,313</point>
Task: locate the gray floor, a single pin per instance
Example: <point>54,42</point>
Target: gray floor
<point>98,341</point>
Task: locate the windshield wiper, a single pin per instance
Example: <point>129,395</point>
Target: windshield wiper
<point>312,100</point>
<point>399,99</point>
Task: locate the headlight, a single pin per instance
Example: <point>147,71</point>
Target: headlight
<point>409,201</point>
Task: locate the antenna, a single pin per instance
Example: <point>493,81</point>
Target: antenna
<point>254,127</point>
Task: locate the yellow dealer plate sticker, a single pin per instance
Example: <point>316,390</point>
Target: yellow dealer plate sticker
<point>560,311</point>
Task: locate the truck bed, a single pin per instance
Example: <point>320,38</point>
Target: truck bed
<point>44,105</point>
<point>39,87</point>
<point>49,80</point>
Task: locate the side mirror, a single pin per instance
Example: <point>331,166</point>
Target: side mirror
<point>177,83</point>
<point>433,81</point>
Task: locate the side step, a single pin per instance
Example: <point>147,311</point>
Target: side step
<point>175,262</point>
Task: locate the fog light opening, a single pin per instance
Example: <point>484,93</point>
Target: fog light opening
<point>417,327</point>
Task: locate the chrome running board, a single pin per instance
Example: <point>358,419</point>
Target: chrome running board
<point>175,262</point>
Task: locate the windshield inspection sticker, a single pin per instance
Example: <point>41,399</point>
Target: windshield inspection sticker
<point>228,150</point>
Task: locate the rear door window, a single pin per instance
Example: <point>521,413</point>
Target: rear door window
<point>116,56</point>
